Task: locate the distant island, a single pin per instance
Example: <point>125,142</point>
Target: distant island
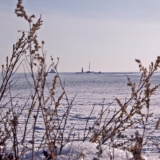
<point>88,72</point>
<point>52,71</point>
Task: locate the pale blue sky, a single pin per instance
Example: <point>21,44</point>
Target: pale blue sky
<point>109,34</point>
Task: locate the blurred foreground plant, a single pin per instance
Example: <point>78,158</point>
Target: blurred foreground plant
<point>113,129</point>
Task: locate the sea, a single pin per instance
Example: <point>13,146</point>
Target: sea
<point>88,91</point>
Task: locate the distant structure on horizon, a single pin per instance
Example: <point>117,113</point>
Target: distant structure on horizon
<point>52,71</point>
<point>89,69</point>
<point>88,72</point>
<point>82,70</point>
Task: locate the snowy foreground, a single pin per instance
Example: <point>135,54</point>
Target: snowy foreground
<point>88,151</point>
<point>91,89</point>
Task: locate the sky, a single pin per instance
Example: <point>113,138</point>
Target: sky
<point>110,34</point>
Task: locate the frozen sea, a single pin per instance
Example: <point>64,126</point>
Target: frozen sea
<point>92,90</point>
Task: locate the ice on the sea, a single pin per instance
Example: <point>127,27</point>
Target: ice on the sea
<point>91,90</point>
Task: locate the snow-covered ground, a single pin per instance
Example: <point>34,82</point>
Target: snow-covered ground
<point>88,151</point>
<point>91,89</point>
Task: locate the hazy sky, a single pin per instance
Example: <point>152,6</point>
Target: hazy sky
<point>109,34</point>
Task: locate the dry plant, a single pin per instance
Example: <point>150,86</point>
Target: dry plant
<point>113,129</point>
<point>142,94</point>
<point>28,50</point>
<point>110,128</point>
